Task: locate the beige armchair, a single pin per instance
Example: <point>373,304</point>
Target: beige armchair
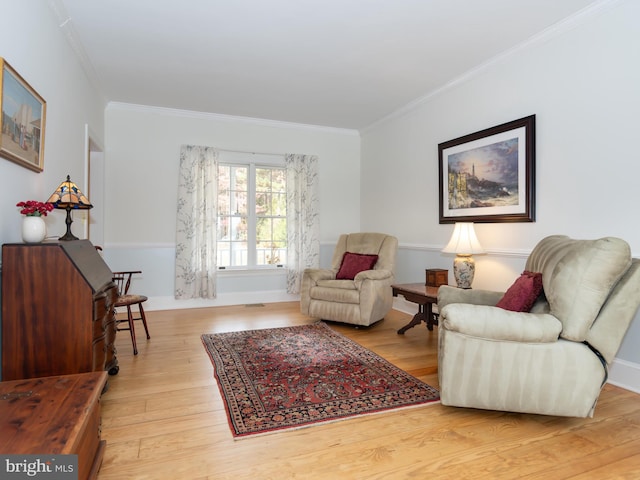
<point>554,359</point>
<point>363,300</point>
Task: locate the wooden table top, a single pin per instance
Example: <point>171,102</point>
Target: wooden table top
<point>419,289</point>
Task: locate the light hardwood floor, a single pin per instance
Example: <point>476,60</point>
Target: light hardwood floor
<point>163,418</point>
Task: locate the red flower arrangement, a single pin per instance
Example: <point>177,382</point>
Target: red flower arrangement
<point>32,208</point>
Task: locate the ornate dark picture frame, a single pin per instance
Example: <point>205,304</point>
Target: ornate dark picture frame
<point>22,120</point>
<point>489,176</point>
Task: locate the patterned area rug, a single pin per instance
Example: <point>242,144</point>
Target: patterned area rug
<point>290,377</point>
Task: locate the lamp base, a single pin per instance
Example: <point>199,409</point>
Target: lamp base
<point>68,221</point>
<point>464,269</point>
<point>68,236</point>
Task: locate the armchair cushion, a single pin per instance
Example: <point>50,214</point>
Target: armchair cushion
<point>521,296</point>
<point>496,324</point>
<point>354,263</point>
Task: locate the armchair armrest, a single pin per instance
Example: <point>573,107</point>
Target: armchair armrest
<point>310,278</point>
<point>372,275</point>
<point>493,323</point>
<point>448,294</point>
<point>317,274</point>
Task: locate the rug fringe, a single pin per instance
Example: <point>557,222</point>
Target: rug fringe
<point>245,436</point>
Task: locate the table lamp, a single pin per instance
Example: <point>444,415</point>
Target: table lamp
<point>464,244</point>
<point>69,197</point>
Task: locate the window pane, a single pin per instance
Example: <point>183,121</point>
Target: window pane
<point>263,179</point>
<point>239,178</point>
<point>263,230</point>
<point>238,254</point>
<point>223,228</point>
<point>223,204</point>
<point>238,228</point>
<point>262,204</point>
<point>279,202</point>
<point>269,253</point>
<point>280,230</point>
<point>239,205</point>
<point>278,180</point>
<point>224,259</point>
<point>265,220</point>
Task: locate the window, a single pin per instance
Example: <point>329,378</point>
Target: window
<point>252,216</point>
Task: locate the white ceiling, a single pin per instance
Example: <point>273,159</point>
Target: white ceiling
<point>336,63</point>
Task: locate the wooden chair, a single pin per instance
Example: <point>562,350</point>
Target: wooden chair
<point>126,299</point>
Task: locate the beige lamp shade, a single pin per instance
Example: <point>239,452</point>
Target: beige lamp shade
<point>463,240</point>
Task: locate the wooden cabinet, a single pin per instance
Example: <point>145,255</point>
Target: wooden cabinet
<point>54,415</point>
<point>58,313</point>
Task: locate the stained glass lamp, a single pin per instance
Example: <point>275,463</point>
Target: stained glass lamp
<point>69,197</point>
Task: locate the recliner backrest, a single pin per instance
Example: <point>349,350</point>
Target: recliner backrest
<point>578,276</point>
<point>617,313</point>
<point>381,244</point>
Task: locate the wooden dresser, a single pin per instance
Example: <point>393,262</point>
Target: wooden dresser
<point>58,316</point>
<point>57,415</point>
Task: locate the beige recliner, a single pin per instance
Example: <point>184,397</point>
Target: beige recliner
<point>362,301</point>
<point>554,359</point>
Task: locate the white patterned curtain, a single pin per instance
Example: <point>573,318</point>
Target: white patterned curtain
<point>196,223</point>
<point>303,225</point>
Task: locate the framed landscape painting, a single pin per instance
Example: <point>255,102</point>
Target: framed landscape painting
<point>22,121</point>
<point>489,176</point>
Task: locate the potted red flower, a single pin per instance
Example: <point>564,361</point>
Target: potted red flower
<point>34,229</point>
<point>32,208</point>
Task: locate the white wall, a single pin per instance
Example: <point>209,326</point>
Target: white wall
<point>34,45</point>
<point>583,86</point>
<point>141,163</point>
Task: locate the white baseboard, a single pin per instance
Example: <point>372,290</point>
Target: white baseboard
<point>625,375</point>
<point>622,373</point>
<point>223,300</point>
<point>400,304</point>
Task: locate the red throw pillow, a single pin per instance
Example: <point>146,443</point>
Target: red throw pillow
<point>354,263</point>
<point>523,293</point>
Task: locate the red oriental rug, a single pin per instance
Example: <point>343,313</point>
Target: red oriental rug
<point>283,378</point>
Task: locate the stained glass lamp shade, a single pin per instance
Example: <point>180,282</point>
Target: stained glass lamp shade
<point>69,197</point>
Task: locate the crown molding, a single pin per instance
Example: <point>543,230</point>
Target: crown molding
<point>596,8</point>
<point>174,112</point>
<point>66,26</point>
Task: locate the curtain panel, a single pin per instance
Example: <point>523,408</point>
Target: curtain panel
<point>195,275</point>
<point>303,224</point>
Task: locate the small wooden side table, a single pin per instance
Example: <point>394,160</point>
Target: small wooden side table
<point>54,415</point>
<point>425,297</point>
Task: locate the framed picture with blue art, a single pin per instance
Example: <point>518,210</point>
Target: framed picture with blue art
<point>489,176</point>
<point>22,121</point>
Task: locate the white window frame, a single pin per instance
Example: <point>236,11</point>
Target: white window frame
<point>252,161</point>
